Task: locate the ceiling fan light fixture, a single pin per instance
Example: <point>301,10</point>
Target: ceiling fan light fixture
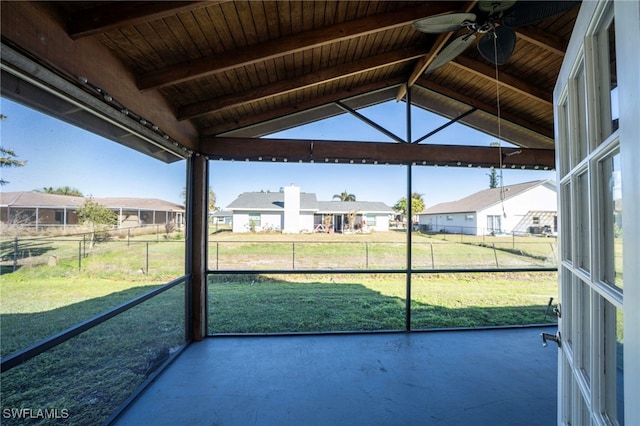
<point>500,51</point>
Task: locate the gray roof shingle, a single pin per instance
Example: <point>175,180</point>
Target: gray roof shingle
<point>350,206</point>
<point>41,199</point>
<point>483,199</point>
<point>270,201</point>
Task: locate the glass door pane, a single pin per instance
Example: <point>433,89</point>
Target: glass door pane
<point>611,215</point>
<point>582,212</point>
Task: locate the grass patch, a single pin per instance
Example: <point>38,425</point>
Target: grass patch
<point>312,303</point>
<point>93,373</point>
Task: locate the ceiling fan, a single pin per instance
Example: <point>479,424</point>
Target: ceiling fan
<point>494,24</point>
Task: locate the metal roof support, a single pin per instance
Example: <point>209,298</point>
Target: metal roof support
<point>444,126</point>
<point>196,256</point>
<point>370,122</point>
<point>409,220</point>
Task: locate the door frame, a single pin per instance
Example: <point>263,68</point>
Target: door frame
<point>627,34</point>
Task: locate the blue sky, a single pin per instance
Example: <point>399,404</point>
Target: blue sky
<point>58,154</point>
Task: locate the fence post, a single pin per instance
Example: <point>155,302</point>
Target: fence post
<point>366,254</point>
<point>293,255</point>
<point>433,263</point>
<point>79,255</point>
<point>128,236</point>
<point>147,264</point>
<point>513,239</point>
<point>15,254</point>
<point>217,255</point>
<point>495,254</point>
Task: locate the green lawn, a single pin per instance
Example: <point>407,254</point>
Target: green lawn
<point>293,303</point>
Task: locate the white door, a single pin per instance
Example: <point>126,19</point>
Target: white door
<point>598,150</point>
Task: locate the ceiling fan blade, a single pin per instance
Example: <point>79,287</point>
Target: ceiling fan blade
<point>492,6</point>
<point>443,23</point>
<point>500,52</point>
<point>530,12</point>
<point>452,50</point>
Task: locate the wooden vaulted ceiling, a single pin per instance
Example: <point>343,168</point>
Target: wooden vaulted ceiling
<point>215,75</point>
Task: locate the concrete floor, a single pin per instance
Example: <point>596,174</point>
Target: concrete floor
<point>495,377</point>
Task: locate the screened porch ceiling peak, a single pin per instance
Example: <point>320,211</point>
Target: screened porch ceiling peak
<point>200,70</point>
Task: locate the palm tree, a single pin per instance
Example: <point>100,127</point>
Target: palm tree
<point>61,190</point>
<point>345,196</point>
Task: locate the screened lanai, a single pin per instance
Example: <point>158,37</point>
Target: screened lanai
<point>207,83</point>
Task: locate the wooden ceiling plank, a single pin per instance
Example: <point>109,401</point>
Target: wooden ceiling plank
<point>293,84</point>
<point>271,21</point>
<point>112,15</point>
<point>371,152</point>
<point>209,33</point>
<point>279,47</point>
<point>542,39</point>
<point>491,109</point>
<point>293,108</point>
<point>488,72</point>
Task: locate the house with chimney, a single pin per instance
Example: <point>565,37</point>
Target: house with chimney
<point>292,211</point>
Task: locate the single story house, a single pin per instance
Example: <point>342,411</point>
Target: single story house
<point>529,207</point>
<point>41,210</point>
<point>292,211</point>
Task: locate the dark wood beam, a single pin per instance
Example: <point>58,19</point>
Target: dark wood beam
<point>242,149</point>
<point>489,73</point>
<point>303,81</point>
<point>542,39</point>
<point>288,45</point>
<point>341,95</point>
<point>114,15</point>
<point>423,63</point>
<point>490,109</point>
<point>32,26</point>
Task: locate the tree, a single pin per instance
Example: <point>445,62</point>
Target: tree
<point>62,190</point>
<point>417,204</point>
<point>7,159</point>
<point>345,196</point>
<point>494,179</point>
<point>96,217</point>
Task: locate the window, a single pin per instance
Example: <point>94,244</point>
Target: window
<point>582,235</point>
<point>254,221</point>
<point>370,219</point>
<point>449,217</point>
<point>610,183</point>
<point>468,217</point>
<point>536,220</point>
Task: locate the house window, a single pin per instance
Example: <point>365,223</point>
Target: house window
<point>370,220</point>
<point>254,221</point>
<point>449,217</point>
<point>468,217</point>
<point>536,220</point>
